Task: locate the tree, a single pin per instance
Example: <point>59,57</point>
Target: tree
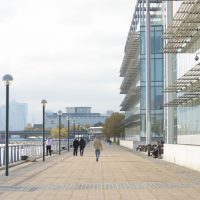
<point>55,132</point>
<point>29,127</point>
<point>112,126</point>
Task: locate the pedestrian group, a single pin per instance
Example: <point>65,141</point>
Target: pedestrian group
<point>76,144</point>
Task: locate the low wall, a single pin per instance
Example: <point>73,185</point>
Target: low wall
<point>184,155</point>
<point>188,139</point>
<point>126,143</point>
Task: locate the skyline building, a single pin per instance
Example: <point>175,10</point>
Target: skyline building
<point>18,114</point>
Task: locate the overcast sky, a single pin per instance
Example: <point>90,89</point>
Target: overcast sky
<point>68,52</point>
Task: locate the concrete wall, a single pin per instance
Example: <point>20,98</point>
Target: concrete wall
<point>184,155</point>
<point>188,139</point>
<point>126,143</point>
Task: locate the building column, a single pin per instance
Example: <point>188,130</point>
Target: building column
<point>169,137</point>
<point>148,74</point>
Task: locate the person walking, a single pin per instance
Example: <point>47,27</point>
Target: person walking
<point>75,145</point>
<point>82,146</point>
<point>48,146</point>
<point>98,147</point>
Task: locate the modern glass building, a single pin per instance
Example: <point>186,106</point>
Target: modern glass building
<point>133,70</point>
<point>182,86</point>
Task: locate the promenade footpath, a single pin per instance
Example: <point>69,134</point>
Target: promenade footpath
<point>119,174</point>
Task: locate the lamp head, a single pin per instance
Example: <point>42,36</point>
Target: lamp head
<point>59,113</point>
<point>7,79</point>
<point>43,102</point>
<point>196,57</point>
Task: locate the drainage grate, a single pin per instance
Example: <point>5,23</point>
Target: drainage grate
<point>100,186</point>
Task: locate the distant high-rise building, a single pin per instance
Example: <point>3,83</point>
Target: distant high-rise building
<point>18,113</point>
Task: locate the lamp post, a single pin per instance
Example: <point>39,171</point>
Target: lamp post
<point>7,79</point>
<point>74,129</point>
<point>43,102</point>
<point>59,124</point>
<point>78,131</point>
<point>68,133</point>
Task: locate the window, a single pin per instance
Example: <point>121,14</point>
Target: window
<point>143,70</point>
<point>152,98</point>
<point>142,43</point>
<point>143,98</point>
<point>152,42</point>
<point>158,70</point>
<point>158,98</point>
<point>158,42</point>
<point>152,69</point>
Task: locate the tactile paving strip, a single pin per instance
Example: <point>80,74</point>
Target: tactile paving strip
<point>100,186</point>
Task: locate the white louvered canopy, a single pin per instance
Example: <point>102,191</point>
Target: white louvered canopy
<point>187,87</point>
<point>184,27</point>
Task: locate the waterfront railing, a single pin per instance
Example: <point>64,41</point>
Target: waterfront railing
<point>28,151</point>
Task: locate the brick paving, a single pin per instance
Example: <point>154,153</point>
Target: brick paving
<point>119,174</point>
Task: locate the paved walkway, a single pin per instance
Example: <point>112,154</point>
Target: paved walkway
<point>120,174</point>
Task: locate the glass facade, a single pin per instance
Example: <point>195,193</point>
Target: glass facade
<point>156,81</point>
<point>188,120</point>
<point>186,113</point>
<point>134,66</point>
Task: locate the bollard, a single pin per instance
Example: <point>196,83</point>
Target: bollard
<point>18,153</point>
<point>4,157</point>
<point>11,154</point>
<point>14,153</point>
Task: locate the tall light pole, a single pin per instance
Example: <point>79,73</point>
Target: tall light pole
<point>74,130</point>
<point>7,79</point>
<point>43,102</point>
<point>78,131</point>
<point>83,132</point>
<point>59,128</point>
<point>68,133</point>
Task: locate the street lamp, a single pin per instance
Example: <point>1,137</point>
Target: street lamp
<point>7,79</point>
<point>196,56</point>
<point>59,122</point>
<point>43,102</point>
<point>78,131</point>
<point>68,133</point>
<point>74,129</point>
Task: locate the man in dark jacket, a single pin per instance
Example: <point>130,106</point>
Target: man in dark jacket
<point>82,146</point>
<point>75,145</point>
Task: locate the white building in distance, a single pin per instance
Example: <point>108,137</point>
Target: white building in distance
<point>79,115</point>
<point>95,132</point>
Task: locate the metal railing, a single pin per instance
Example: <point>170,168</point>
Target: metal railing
<point>32,150</point>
